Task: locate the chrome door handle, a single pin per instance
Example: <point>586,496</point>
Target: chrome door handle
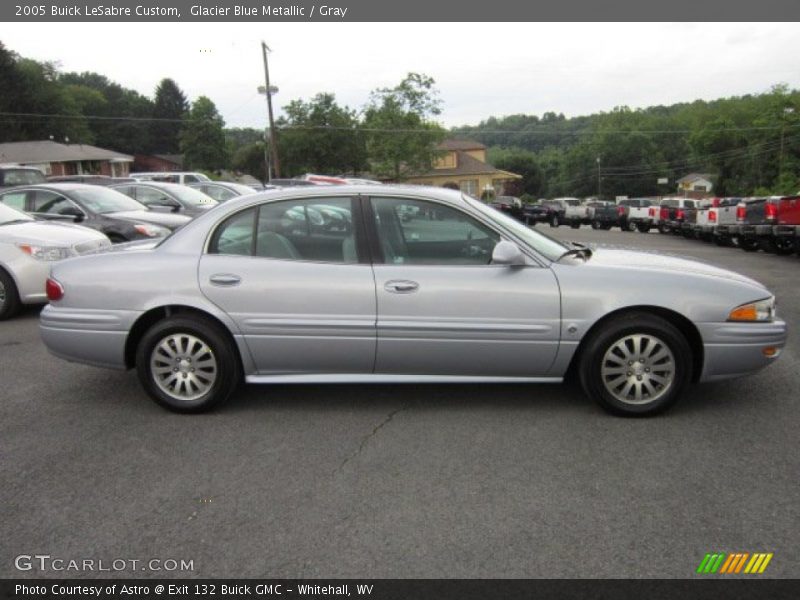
<point>401,286</point>
<point>225,279</point>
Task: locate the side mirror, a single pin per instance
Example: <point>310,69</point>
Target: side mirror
<point>507,253</point>
<point>75,213</point>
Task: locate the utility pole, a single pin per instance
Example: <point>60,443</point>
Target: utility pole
<point>788,110</point>
<point>598,178</point>
<point>273,144</point>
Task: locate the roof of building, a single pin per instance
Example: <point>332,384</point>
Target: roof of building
<point>461,145</point>
<point>173,158</point>
<point>696,176</point>
<point>466,165</point>
<point>50,151</point>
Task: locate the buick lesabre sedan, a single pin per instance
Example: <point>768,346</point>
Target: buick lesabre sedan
<point>401,284</point>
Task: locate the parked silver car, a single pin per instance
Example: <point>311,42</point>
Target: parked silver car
<point>28,248</point>
<point>415,285</point>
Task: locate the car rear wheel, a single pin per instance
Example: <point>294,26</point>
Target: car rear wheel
<point>596,224</point>
<point>9,296</point>
<point>630,226</point>
<point>643,228</point>
<point>636,365</point>
<point>748,244</point>
<point>663,229</point>
<point>781,246</point>
<point>575,224</point>
<point>187,364</point>
<point>554,221</point>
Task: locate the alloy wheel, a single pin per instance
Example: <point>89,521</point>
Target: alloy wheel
<point>638,369</point>
<point>183,366</point>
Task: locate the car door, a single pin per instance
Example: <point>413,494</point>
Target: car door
<point>295,282</point>
<point>443,309</point>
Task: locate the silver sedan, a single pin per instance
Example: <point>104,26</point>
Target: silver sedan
<point>402,284</point>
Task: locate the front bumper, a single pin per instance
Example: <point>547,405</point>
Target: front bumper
<point>92,337</point>
<point>733,349</point>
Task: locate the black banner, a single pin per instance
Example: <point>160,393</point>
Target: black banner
<point>405,589</point>
<point>407,10</point>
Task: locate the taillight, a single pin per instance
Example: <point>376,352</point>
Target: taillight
<point>664,214</point>
<point>712,216</point>
<point>55,291</point>
<point>741,212</point>
<point>771,211</point>
<point>680,215</point>
<point>715,202</point>
<point>651,211</point>
<point>620,210</point>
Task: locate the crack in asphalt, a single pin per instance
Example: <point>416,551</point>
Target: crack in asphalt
<point>369,436</point>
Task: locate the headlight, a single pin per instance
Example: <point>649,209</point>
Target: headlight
<point>48,253</point>
<point>152,230</point>
<point>763,310</point>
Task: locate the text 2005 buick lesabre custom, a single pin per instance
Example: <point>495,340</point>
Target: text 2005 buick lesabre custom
<point>396,284</point>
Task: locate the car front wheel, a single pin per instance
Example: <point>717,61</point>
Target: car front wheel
<point>9,297</point>
<point>187,364</point>
<point>636,365</point>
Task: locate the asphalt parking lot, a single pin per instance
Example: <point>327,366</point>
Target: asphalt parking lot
<point>403,481</point>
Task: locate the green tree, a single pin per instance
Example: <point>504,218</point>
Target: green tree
<point>522,162</point>
<point>123,113</point>
<point>202,140</point>
<point>401,132</point>
<point>169,110</point>
<point>320,136</point>
<point>250,159</point>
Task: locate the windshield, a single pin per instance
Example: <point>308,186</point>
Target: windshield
<point>103,200</point>
<point>544,245</point>
<point>191,196</point>
<point>11,177</point>
<point>10,215</point>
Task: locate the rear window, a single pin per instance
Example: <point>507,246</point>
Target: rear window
<point>669,203</point>
<point>9,177</point>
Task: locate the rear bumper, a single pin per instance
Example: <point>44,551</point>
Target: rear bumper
<point>789,231</point>
<point>92,337</point>
<point>726,230</point>
<point>736,349</point>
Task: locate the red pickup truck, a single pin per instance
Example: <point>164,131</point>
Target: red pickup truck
<point>771,224</point>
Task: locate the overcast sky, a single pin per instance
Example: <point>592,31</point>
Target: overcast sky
<point>481,69</point>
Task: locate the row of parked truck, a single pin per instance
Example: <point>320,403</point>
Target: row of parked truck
<point>768,223</point>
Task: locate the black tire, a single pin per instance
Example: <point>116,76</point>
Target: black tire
<point>217,344</point>
<point>555,221</point>
<point>780,246</point>
<point>575,224</point>
<point>617,331</point>
<point>596,224</point>
<point>605,226</point>
<point>9,296</point>
<point>723,240</point>
<point>643,228</point>
<point>629,226</point>
<point>663,229</point>
<point>748,244</point>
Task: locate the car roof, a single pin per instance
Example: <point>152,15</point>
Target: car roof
<point>166,185</point>
<point>57,186</point>
<point>445,195</point>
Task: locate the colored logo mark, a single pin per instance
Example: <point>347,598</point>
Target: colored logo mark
<point>734,563</point>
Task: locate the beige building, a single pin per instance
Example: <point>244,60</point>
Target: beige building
<point>462,164</point>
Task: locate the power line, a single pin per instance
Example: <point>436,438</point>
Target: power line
<point>587,131</point>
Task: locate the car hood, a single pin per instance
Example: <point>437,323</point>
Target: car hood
<point>651,261</point>
<point>170,220</point>
<point>49,233</point>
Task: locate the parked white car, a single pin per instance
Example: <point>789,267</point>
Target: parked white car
<point>28,248</point>
<point>182,177</point>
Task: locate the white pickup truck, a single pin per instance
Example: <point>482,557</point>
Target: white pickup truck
<point>567,211</point>
<point>635,213</point>
<point>722,221</point>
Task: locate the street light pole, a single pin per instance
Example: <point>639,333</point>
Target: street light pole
<point>273,144</point>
